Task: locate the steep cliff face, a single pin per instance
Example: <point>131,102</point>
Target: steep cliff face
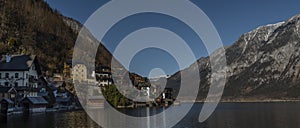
<point>268,64</point>
<point>73,24</point>
<point>262,64</point>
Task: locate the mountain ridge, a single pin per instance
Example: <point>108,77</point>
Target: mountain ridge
<point>262,64</point>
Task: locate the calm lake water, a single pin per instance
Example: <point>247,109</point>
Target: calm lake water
<point>227,115</point>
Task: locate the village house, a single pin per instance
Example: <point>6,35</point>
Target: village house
<point>137,81</point>
<point>8,93</point>
<point>34,104</point>
<point>79,73</point>
<point>43,93</point>
<point>63,102</point>
<point>104,76</point>
<point>7,106</point>
<point>95,102</point>
<point>21,72</point>
<point>95,98</point>
<point>63,98</point>
<point>67,69</point>
<point>48,93</point>
<point>167,97</point>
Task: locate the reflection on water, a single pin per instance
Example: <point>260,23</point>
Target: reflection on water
<point>256,115</point>
<point>50,120</point>
<point>160,117</point>
<point>227,115</point>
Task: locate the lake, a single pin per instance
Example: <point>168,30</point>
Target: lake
<point>227,115</point>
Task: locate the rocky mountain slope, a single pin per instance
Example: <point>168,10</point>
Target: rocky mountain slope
<point>262,64</point>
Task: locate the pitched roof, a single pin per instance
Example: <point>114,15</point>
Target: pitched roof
<point>52,86</point>
<point>5,89</point>
<point>17,63</point>
<point>61,99</point>
<point>7,100</point>
<point>43,93</point>
<point>36,100</point>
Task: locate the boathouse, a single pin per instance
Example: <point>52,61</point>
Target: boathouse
<point>34,104</point>
<point>7,106</point>
<point>8,92</point>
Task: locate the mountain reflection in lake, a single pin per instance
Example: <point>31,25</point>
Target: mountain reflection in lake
<point>227,115</point>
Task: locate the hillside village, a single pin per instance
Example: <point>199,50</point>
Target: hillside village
<point>36,74</point>
<point>25,88</point>
<point>100,85</point>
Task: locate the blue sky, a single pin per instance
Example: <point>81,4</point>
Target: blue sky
<point>231,18</point>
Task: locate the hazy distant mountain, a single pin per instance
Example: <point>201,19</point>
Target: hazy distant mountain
<point>262,64</point>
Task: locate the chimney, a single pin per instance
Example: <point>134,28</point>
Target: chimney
<point>8,58</point>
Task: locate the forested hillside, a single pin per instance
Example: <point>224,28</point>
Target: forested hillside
<point>32,27</point>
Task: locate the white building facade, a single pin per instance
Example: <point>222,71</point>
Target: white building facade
<point>20,71</point>
<point>79,73</point>
<point>104,76</point>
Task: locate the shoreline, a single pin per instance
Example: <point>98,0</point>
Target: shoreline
<point>181,102</point>
<point>246,101</point>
